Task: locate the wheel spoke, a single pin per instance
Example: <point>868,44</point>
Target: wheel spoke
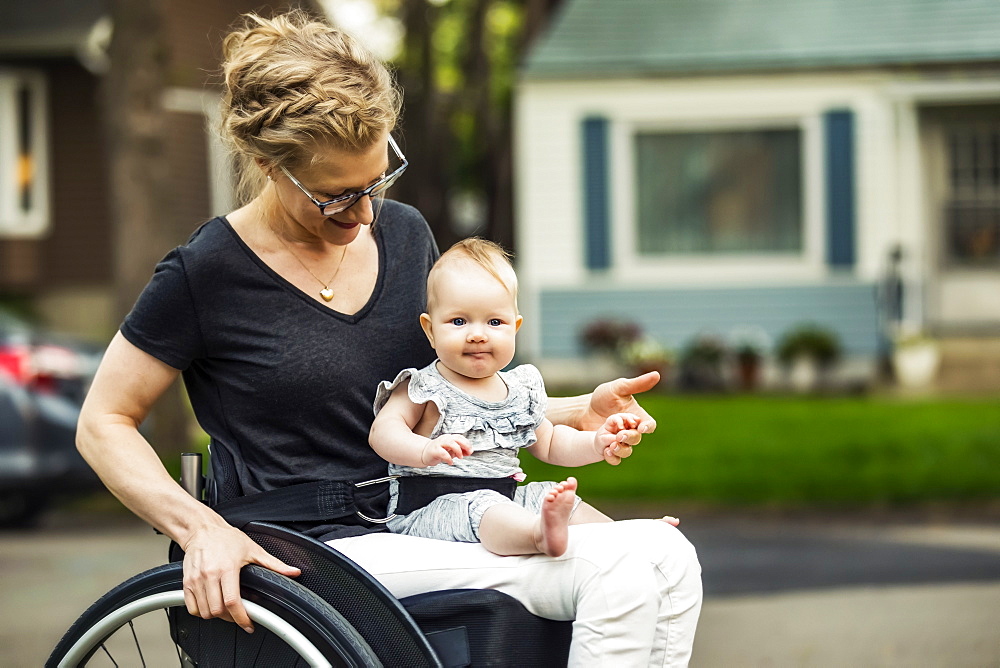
<point>138,648</point>
<point>177,648</point>
<point>111,658</point>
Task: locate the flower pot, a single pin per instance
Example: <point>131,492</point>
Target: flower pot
<point>804,374</point>
<point>748,372</point>
<point>916,364</point>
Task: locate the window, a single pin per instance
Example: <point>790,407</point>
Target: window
<point>972,208</point>
<point>730,192</point>
<point>24,208</point>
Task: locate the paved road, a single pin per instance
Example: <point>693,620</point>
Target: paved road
<point>52,575</point>
<point>804,591</point>
<point>810,593</point>
<point>763,556</point>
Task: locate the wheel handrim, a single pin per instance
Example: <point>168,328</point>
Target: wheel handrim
<point>94,636</point>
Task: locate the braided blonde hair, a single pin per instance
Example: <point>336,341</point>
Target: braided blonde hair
<point>293,84</point>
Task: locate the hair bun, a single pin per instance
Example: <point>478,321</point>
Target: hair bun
<point>292,81</point>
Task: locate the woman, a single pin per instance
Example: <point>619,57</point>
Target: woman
<point>284,315</point>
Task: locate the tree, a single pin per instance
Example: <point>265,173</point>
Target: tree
<point>135,129</point>
<point>427,138</point>
<point>458,68</point>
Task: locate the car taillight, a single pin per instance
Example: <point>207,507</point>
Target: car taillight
<point>39,367</point>
<point>15,362</point>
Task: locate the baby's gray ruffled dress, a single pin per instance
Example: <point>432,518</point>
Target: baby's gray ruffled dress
<point>496,431</point>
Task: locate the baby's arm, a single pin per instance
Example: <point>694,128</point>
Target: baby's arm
<point>565,446</point>
<point>393,439</point>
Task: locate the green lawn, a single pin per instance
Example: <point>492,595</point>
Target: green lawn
<point>791,451</point>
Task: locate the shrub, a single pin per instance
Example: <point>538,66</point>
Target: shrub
<point>818,343</point>
<point>609,335</point>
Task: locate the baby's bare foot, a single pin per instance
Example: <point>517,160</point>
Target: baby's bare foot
<point>552,534</point>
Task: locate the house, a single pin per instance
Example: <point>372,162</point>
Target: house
<point>55,239</point>
<point>715,165</point>
<point>58,248</point>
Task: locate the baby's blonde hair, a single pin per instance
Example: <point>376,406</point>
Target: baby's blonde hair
<point>484,253</point>
<point>292,84</point>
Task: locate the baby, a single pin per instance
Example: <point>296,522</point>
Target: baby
<point>452,430</point>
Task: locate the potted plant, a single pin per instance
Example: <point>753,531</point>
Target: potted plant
<point>646,354</point>
<point>701,364</point>
<point>915,360</point>
<point>608,336</point>
<point>749,345</point>
<point>808,352</point>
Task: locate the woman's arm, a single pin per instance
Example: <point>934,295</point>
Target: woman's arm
<point>127,384</point>
<point>589,411</point>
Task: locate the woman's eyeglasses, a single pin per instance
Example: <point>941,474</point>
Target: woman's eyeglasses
<point>344,202</point>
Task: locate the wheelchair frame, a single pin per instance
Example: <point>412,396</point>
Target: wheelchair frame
<point>334,613</point>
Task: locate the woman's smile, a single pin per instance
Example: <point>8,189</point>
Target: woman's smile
<point>344,225</point>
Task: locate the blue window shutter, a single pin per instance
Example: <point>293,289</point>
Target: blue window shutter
<point>596,215</point>
<point>839,131</point>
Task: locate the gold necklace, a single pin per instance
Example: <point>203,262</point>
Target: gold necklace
<point>326,293</point>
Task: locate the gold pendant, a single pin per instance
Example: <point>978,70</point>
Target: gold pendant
<point>326,294</point>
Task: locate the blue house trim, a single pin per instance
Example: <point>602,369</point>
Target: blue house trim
<point>839,132</point>
<point>596,208</point>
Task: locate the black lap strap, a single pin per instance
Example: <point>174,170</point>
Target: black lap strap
<point>307,502</point>
<point>417,491</point>
<point>329,500</point>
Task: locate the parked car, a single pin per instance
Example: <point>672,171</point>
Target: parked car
<point>43,379</point>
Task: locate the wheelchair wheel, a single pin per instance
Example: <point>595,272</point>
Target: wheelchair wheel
<point>143,622</point>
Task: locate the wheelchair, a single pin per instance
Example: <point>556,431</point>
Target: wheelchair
<point>333,614</point>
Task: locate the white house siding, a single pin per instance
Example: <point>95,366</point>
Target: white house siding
<point>889,207</point>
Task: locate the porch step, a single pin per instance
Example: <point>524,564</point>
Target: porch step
<point>969,365</point>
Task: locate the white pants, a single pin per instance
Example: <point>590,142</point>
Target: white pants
<point>633,588</point>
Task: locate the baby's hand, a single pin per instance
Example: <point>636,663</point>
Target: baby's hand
<point>445,449</point>
<point>613,436</point>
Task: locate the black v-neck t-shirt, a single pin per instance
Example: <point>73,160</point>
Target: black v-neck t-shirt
<point>280,382</point>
